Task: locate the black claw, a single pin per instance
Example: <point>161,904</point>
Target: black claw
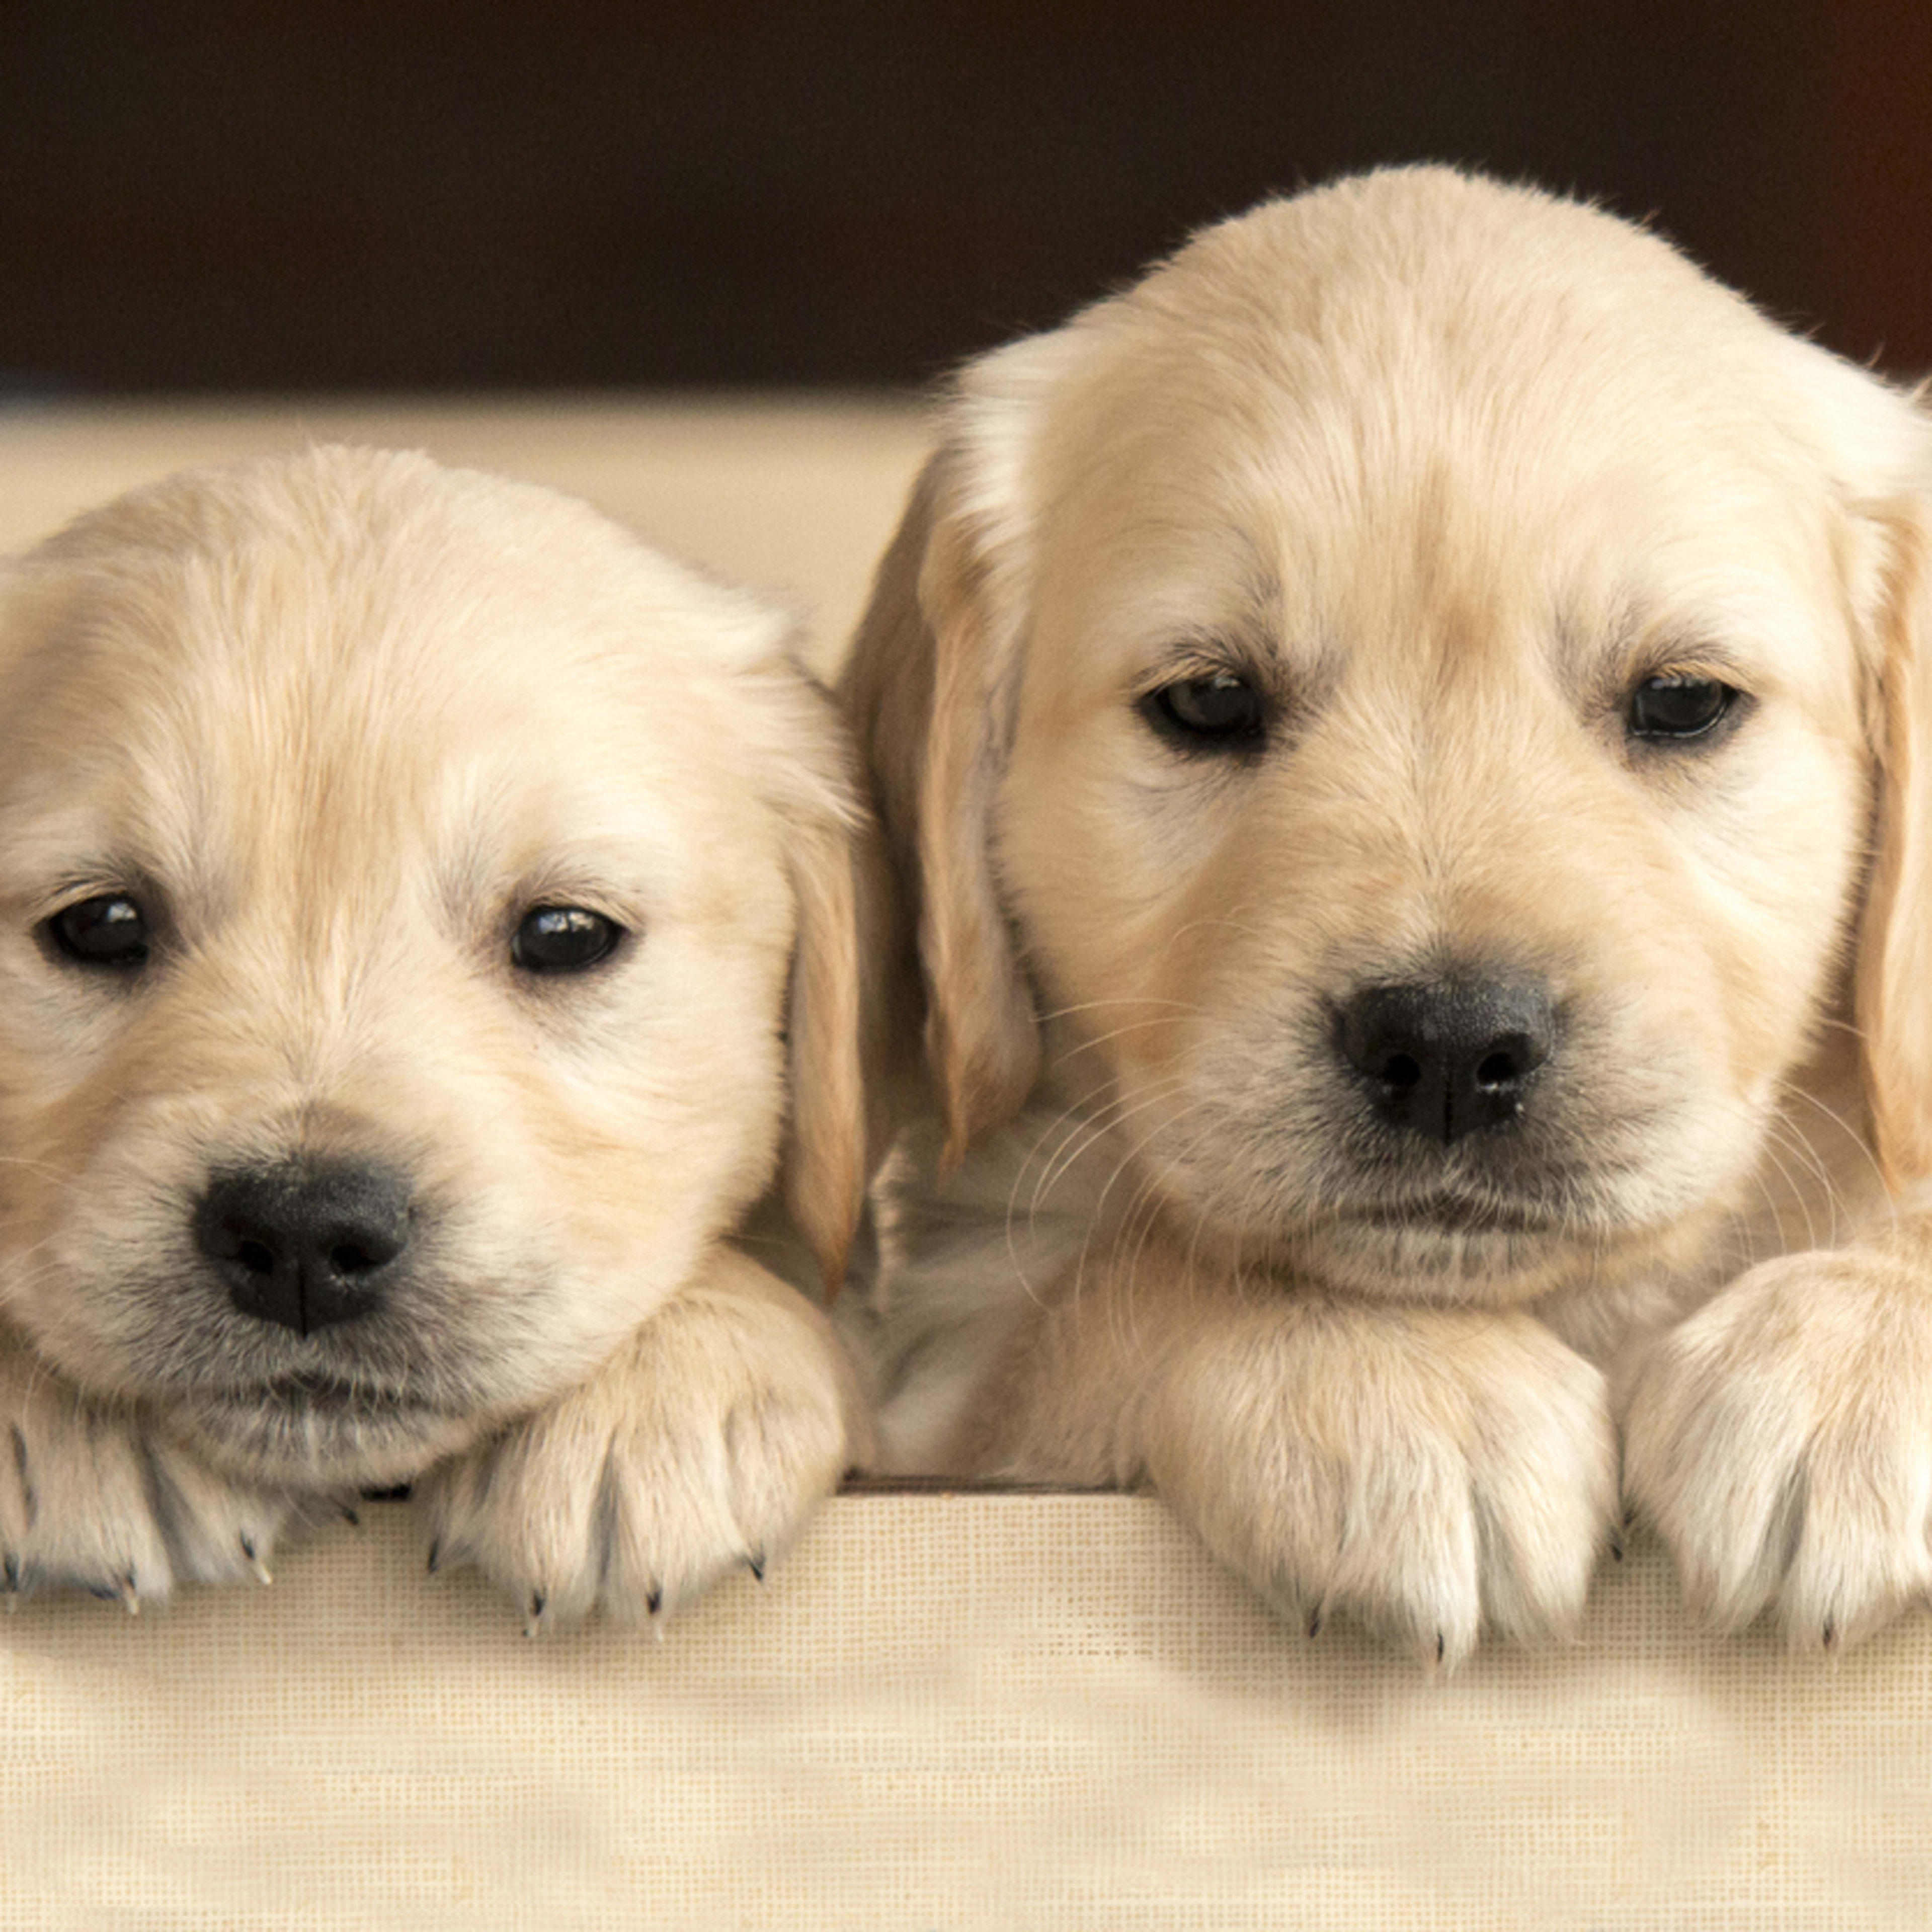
<point>435,1557</point>
<point>349,1517</point>
<point>11,1564</point>
<point>538,1599</point>
<point>654,1602</point>
<point>105,1593</point>
<point>1314,1625</point>
<point>756,1564</point>
<point>247,1546</point>
<point>1830,1634</point>
<point>1616,1550</point>
<point>1438,1646</point>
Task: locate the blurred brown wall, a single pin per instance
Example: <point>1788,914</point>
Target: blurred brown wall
<point>373,193</point>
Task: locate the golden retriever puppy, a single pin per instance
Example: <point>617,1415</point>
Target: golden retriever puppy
<point>409,885</point>
<point>1406,741</point>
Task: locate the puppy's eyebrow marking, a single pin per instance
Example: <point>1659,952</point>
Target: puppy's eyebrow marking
<point>93,874</point>
<point>1261,587</point>
<point>1601,660</point>
<point>1687,649</point>
<point>606,890</point>
<point>1200,653</point>
<point>1246,640</point>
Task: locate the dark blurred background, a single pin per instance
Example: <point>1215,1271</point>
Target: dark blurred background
<point>358,194</point>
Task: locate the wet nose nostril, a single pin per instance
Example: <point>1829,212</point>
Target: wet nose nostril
<point>351,1257</point>
<point>1401,1070</point>
<point>1512,1058</point>
<point>256,1258</point>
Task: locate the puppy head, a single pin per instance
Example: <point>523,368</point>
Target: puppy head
<point>401,875</point>
<point>1386,704</point>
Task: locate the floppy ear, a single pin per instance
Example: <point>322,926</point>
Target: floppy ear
<point>1894,978</point>
<point>929,687</point>
<point>827,1162</point>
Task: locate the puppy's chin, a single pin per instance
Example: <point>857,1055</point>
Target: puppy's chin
<point>1453,1255</point>
<point>311,1433</point>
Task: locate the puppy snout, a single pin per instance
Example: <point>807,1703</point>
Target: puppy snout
<point>1444,1057</point>
<point>305,1244</point>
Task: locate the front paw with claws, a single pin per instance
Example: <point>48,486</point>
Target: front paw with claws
<point>698,1449</point>
<point>97,1496</point>
<point>1427,1472</point>
<point>1780,1442</point>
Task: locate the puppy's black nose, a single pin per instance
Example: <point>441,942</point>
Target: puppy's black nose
<point>1442,1057</point>
<point>304,1244</point>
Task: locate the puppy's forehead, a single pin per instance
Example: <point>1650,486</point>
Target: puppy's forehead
<point>1419,393</point>
<point>359,635</point>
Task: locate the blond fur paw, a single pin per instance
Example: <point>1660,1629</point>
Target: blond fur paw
<point>1780,1442</point>
<point>1429,1474</point>
<point>700,1449</point>
<point>94,1497</point>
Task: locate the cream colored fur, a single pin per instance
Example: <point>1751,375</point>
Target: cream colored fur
<point>1446,468</point>
<point>336,722</point>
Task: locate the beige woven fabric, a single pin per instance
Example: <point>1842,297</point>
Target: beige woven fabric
<point>996,1712</point>
<point>968,1711</point>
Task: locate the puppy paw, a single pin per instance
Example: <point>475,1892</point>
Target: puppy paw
<point>94,1497</point>
<point>699,1449</point>
<point>1780,1442</point>
<point>1427,1473</point>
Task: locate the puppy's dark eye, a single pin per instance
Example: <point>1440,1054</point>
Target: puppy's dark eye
<point>1671,707</point>
<point>1219,711</point>
<point>563,939</point>
<point>108,930</point>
